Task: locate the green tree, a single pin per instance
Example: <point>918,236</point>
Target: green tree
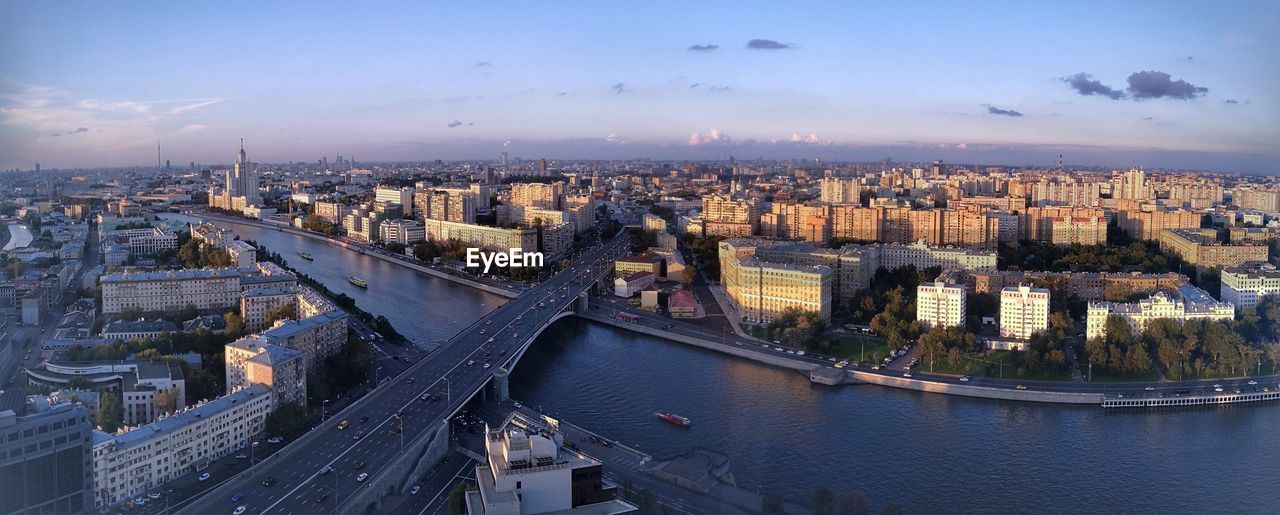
<point>110,412</point>
<point>235,324</point>
<point>286,420</point>
<point>458,499</point>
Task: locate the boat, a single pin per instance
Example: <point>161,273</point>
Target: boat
<point>307,256</point>
<point>358,281</point>
<point>674,419</point>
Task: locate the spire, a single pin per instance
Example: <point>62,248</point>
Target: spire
<point>242,144</point>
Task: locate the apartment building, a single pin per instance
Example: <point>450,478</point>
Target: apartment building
<point>130,464</point>
<point>939,304</point>
<point>206,289</point>
<point>728,217</point>
<point>396,195</point>
<point>1190,303</point>
<point>654,223</point>
<point>1058,192</point>
<point>404,232</point>
<point>762,290</point>
<point>46,465</point>
<point>332,212</point>
<point>546,196</point>
<point>971,227</point>
<point>1088,286</point>
<point>317,337</point>
<point>1244,286</point>
<point>1256,198</point>
<point>251,360</point>
<point>1024,311</point>
<point>840,190</point>
<point>1145,221</point>
<point>1200,247</point>
<point>255,303</point>
<point>490,238</point>
<point>1064,225</point>
<point>854,222</point>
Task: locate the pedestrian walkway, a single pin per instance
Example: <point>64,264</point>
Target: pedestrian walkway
<point>735,320</point>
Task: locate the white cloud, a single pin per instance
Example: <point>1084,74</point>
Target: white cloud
<point>711,136</point>
<point>614,137</point>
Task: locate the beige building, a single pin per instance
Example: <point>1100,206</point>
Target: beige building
<point>1064,225</point>
<point>1145,221</point>
<point>250,360</point>
<point>255,303</point>
<point>728,217</point>
<point>1201,248</point>
<point>1191,303</point>
<point>490,238</point>
<point>1246,285</point>
<point>762,291</point>
<point>206,289</point>
<point>546,196</point>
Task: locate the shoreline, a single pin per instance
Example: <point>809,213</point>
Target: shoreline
<point>827,375</point>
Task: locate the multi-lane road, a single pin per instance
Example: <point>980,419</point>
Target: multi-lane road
<point>320,471</point>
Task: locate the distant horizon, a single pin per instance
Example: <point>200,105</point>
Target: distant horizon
<point>1180,86</point>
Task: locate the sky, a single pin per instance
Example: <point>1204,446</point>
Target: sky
<point>1186,85</point>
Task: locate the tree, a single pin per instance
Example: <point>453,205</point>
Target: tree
<point>823,501</point>
<point>166,401</point>
<point>110,412</point>
<point>281,312</point>
<point>851,503</point>
<point>772,505</point>
<point>287,419</point>
<point>235,324</point>
<point>458,499</point>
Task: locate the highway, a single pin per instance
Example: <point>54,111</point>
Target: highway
<point>302,482</point>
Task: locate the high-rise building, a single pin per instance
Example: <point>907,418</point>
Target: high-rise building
<point>242,180</point>
<point>939,304</point>
<point>1132,185</point>
<point>402,196</point>
<point>46,460</point>
<point>1024,311</point>
<point>546,196</point>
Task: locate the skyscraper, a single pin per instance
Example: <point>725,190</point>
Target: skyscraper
<point>45,461</point>
<point>242,180</point>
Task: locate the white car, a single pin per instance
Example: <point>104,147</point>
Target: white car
<point>964,379</point>
<point>414,490</point>
<point>1253,383</point>
<point>139,501</point>
<point>363,476</point>
<point>153,495</point>
<point>471,362</point>
<point>486,365</point>
<point>204,477</point>
<point>239,510</point>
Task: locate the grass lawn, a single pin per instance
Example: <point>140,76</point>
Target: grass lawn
<point>851,348</point>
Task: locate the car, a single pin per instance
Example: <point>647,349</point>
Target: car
<point>486,365</point>
<point>875,367</point>
<point>906,374</point>
<point>488,322</point>
<point>358,435</point>
<point>363,476</point>
<point>490,339</point>
<point>605,442</point>
<point>343,425</point>
<point>154,495</point>
<point>269,481</point>
<point>204,477</point>
<point>358,465</point>
<point>414,490</point>
<point>482,331</point>
<point>791,352</point>
<point>471,362</point>
<point>242,457</point>
<point>424,398</point>
<point>408,381</point>
<point>515,335</point>
<point>238,510</point>
<point>1253,383</point>
<point>275,440</point>
<point>964,379</point>
<point>517,404</point>
<point>320,497</point>
<point>139,501</point>
<point>364,419</point>
<point>326,470</point>
<point>237,497</point>
<point>1150,389</point>
<point>1021,387</point>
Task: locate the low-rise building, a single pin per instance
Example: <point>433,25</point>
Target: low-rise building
<point>130,464</point>
<point>632,283</point>
<point>1190,303</point>
<point>1200,247</point>
<point>140,329</point>
<point>137,383</point>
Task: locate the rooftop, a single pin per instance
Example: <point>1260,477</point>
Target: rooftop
<point>170,275</point>
<point>182,419</point>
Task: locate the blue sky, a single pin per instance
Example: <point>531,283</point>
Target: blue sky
<point>96,83</point>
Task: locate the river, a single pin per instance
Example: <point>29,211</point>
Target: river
<point>925,452</point>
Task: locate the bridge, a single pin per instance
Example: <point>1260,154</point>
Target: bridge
<point>397,433</point>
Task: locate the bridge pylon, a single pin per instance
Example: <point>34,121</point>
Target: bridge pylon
<point>501,384</point>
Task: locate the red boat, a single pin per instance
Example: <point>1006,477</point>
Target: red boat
<point>674,419</point>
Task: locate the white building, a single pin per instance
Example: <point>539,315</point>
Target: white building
<point>939,304</point>
<point>1195,304</point>
<point>1024,311</point>
<point>528,474</point>
<point>402,196</point>
<point>404,232</point>
<point>1244,286</point>
<point>131,464</point>
<point>630,285</point>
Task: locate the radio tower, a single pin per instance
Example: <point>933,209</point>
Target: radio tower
<point>158,162</point>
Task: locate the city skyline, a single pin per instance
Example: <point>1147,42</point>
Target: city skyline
<point>1182,87</point>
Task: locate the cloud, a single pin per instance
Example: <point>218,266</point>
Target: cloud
<point>703,48</point>
<point>768,44</point>
<point>694,85</point>
<point>1084,85</point>
<point>1234,102</point>
<point>1147,119</point>
<point>711,136</point>
<point>77,131</point>
<point>561,94</point>
<point>811,139</point>
<point>618,88</point>
<point>192,127</point>
<point>718,88</point>
<point>1002,112</point>
<point>455,123</point>
<point>483,64</point>
<point>1154,84</point>
<point>613,137</point>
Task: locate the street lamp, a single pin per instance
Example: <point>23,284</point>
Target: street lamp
<point>323,406</point>
<point>401,431</point>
